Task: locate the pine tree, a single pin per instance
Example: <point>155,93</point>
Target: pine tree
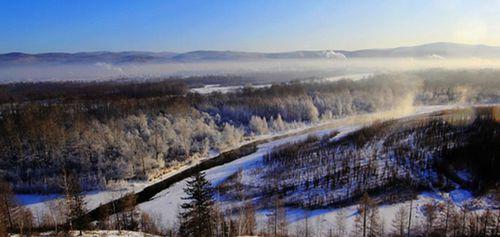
<point>197,216</point>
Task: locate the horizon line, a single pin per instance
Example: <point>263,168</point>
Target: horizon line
<point>243,51</point>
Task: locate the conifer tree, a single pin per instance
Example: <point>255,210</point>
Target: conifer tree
<point>197,215</point>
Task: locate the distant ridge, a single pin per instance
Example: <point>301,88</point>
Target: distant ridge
<point>433,50</point>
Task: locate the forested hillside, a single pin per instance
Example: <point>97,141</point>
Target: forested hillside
<point>112,131</point>
<point>443,151</point>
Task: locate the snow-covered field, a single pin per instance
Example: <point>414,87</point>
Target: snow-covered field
<point>207,89</point>
<point>354,77</point>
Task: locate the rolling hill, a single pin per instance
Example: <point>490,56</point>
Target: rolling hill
<point>433,50</point>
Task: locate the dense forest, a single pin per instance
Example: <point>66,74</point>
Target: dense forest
<point>123,130</point>
<point>443,151</point>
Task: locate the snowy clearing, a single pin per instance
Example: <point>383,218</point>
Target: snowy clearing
<point>207,89</point>
<point>354,77</point>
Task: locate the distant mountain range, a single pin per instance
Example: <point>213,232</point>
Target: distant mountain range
<point>434,50</point>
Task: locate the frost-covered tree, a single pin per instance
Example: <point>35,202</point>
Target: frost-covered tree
<point>258,125</point>
<point>311,111</point>
<point>230,136</point>
<point>278,124</point>
<point>327,115</point>
<point>120,130</point>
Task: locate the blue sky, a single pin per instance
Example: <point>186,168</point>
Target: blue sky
<point>248,25</point>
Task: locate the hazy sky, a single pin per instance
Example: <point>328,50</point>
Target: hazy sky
<point>248,25</point>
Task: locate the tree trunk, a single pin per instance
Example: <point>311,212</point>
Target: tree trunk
<point>409,218</point>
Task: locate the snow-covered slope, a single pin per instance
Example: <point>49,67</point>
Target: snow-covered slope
<point>166,204</point>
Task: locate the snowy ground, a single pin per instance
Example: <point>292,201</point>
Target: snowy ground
<point>207,89</point>
<point>165,205</point>
<point>354,77</point>
<point>322,220</point>
<point>39,204</point>
<point>103,233</point>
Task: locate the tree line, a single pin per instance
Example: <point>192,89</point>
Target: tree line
<point>201,216</point>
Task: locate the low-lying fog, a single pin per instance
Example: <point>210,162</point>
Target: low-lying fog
<point>299,68</point>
